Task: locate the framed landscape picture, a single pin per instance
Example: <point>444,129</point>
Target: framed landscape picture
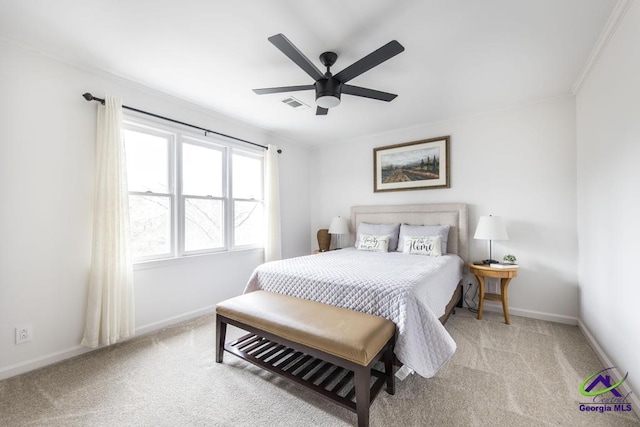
<point>415,165</point>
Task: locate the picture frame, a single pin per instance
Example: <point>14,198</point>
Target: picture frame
<point>417,165</point>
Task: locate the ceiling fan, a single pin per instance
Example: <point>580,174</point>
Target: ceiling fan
<point>327,86</point>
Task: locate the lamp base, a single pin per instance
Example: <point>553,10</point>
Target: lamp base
<point>324,239</point>
<point>486,262</point>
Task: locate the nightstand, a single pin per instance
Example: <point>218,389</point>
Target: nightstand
<point>317,251</point>
<point>505,275</point>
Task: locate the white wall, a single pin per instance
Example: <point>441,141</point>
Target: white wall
<point>46,188</point>
<point>608,135</point>
<point>295,182</point>
<point>517,163</point>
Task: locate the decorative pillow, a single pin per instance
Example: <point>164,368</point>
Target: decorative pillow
<point>423,245</point>
<point>380,230</point>
<point>372,243</point>
<point>425,231</point>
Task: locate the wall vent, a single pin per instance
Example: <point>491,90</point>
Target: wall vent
<point>295,103</point>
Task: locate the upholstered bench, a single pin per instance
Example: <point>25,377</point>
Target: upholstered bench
<point>328,349</point>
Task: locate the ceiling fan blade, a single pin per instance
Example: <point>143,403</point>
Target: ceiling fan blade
<point>267,90</point>
<point>321,111</point>
<point>368,93</point>
<point>288,48</point>
<point>376,57</point>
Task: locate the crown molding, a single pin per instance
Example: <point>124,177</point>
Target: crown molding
<point>617,14</point>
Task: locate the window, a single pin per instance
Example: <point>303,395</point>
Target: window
<point>151,201</point>
<point>190,196</point>
<point>204,196</point>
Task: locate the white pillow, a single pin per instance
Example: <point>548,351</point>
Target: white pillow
<point>380,230</point>
<point>424,231</point>
<point>373,243</point>
<point>423,245</point>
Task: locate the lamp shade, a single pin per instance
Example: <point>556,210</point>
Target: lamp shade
<point>491,228</point>
<point>339,226</point>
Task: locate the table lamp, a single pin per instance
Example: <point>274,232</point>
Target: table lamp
<point>338,226</point>
<point>491,228</point>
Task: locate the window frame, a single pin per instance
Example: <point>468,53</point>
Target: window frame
<point>182,219</point>
<point>177,137</point>
<point>171,180</point>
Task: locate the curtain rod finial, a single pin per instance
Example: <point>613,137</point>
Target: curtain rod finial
<point>87,96</point>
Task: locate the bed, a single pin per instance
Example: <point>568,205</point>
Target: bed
<point>416,292</point>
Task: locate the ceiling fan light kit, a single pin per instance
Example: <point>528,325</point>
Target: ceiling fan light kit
<point>328,101</point>
<point>328,92</point>
<point>329,88</point>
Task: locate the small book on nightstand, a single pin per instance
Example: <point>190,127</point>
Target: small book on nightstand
<point>503,265</point>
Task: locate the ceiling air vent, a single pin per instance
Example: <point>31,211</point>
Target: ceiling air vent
<point>295,103</point>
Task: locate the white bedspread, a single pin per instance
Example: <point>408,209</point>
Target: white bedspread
<point>410,290</point>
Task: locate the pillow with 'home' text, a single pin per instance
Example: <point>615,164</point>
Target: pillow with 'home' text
<point>424,231</point>
<point>423,245</point>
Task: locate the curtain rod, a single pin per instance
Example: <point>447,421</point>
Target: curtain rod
<point>90,97</point>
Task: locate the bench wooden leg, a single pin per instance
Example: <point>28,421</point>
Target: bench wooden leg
<point>363,395</point>
<point>221,334</point>
<point>388,368</point>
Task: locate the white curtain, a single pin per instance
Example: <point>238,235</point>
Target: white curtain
<point>273,244</point>
<point>110,308</point>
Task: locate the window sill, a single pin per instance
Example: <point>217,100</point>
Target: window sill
<point>191,259</point>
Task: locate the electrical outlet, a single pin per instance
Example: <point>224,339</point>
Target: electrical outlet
<point>24,334</point>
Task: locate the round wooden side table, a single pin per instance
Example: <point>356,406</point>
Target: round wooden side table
<point>505,275</point>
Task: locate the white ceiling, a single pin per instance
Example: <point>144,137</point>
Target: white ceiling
<point>461,56</point>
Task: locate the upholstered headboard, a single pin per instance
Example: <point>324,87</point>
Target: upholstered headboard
<point>452,214</point>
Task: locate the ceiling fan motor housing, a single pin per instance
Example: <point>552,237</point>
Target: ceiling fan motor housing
<point>328,88</point>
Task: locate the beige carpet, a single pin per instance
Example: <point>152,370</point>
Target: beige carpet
<point>525,374</point>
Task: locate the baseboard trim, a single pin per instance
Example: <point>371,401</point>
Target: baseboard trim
<point>540,315</point>
<point>152,327</point>
<point>40,362</point>
<point>606,362</point>
<point>59,356</point>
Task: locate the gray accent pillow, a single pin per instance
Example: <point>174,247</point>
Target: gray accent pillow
<point>423,231</point>
<point>380,230</point>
